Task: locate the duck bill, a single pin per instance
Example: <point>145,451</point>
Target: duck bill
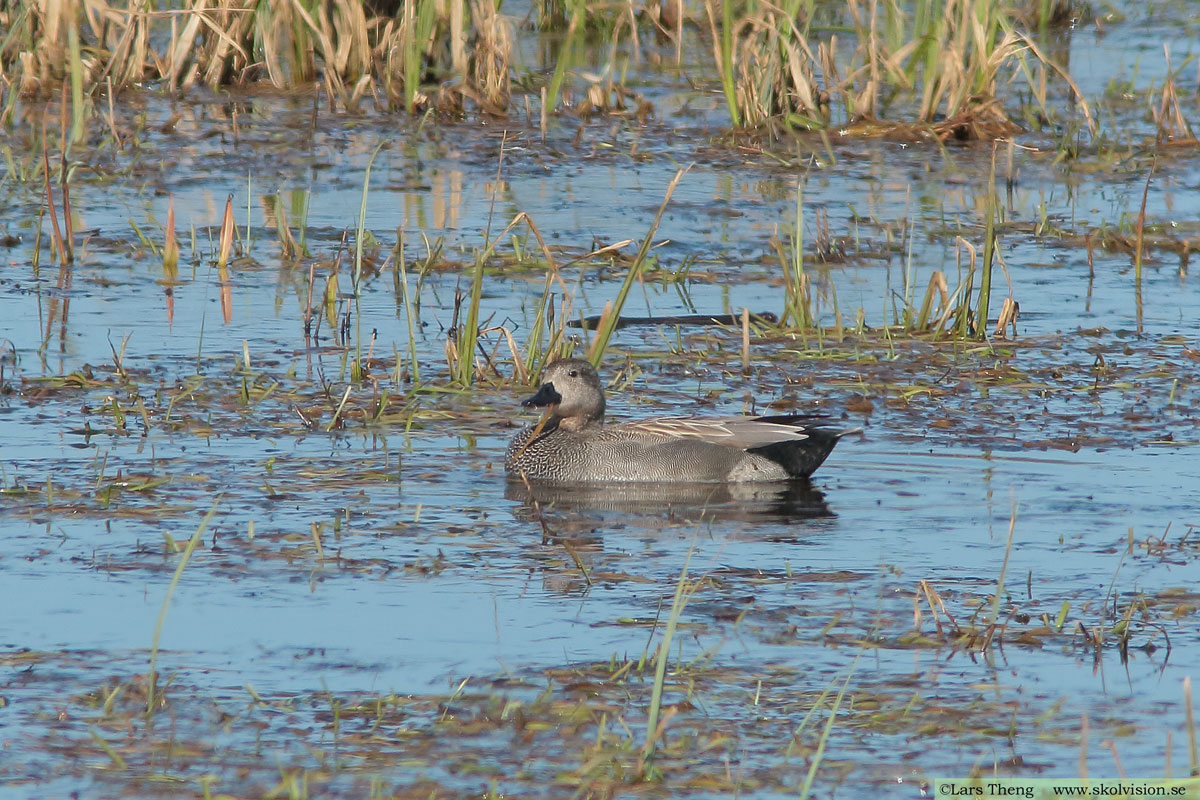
<point>546,397</point>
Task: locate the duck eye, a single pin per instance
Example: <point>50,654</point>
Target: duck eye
<point>574,373</point>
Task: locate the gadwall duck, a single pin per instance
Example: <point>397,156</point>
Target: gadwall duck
<point>573,445</point>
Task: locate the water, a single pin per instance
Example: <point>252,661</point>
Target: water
<point>391,557</point>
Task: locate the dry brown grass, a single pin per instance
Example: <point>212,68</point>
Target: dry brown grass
<point>353,53</point>
<point>911,69</point>
<point>933,64</point>
<point>776,71</point>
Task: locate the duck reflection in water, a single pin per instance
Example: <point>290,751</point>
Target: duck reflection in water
<point>780,501</point>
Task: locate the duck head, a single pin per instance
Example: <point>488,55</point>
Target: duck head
<point>570,392</point>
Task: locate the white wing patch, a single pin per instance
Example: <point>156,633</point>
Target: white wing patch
<point>751,430</point>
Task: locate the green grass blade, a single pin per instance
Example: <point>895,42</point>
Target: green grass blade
<point>162,614</point>
<point>682,594</point>
<point>605,331</point>
<point>727,84</point>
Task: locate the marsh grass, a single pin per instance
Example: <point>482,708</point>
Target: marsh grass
<point>1139,248</point>
<point>466,354</point>
<point>798,308</point>
<point>655,728</point>
<point>574,33</point>
<point>224,252</point>
<point>967,636</point>
<point>359,236</point>
<point>193,542</point>
<point>940,60</point>
<point>411,323</point>
<point>991,211</point>
<point>460,347</point>
<point>988,626</point>
<point>1171,126</point>
<point>465,340</point>
<point>941,314</point>
<point>170,251</point>
<point>354,53</point>
<point>612,312</point>
<point>823,740</point>
<point>926,68</point>
<point>61,239</point>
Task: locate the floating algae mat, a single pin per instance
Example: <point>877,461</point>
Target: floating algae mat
<point>290,435</point>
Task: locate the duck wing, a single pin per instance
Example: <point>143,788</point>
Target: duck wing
<point>744,433</point>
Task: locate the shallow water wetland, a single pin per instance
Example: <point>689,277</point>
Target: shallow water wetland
<point>276,282</point>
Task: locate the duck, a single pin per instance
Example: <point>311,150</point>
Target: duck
<point>573,445</point>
